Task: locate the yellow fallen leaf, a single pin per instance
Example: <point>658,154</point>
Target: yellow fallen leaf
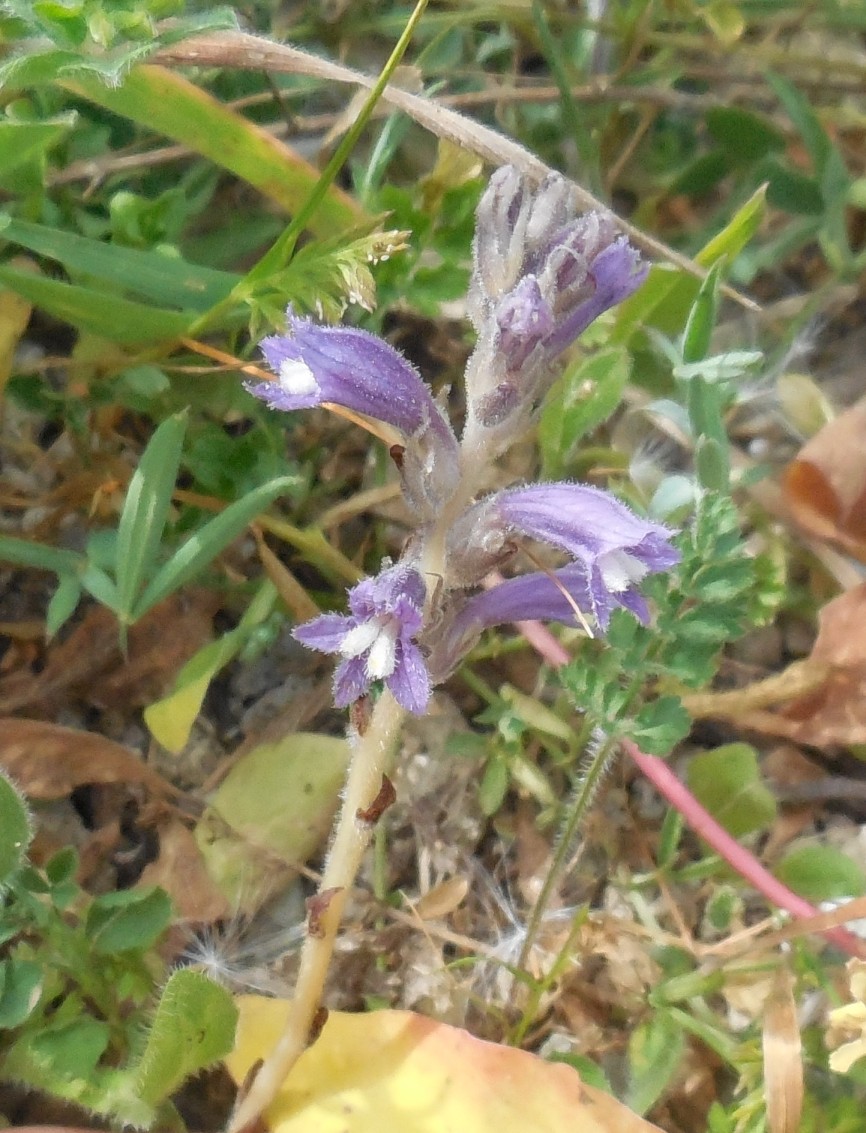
<point>397,1072</point>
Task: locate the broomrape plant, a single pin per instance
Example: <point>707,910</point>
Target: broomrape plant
<point>540,276</point>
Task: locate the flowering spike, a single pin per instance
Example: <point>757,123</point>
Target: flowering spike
<point>377,639</point>
<point>541,275</point>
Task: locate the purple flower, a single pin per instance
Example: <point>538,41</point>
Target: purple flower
<point>529,597</point>
<point>613,548</point>
<point>540,276</point>
<point>352,368</point>
<point>349,367</point>
<point>583,271</point>
<point>376,641</point>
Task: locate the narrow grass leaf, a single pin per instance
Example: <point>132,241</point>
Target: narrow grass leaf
<point>107,315</point>
<point>160,278</point>
<point>702,317</point>
<point>145,511</point>
<point>203,547</point>
<point>804,119</point>
<point>100,585</point>
<point>21,552</point>
<point>166,102</point>
<point>171,719</point>
<point>63,603</point>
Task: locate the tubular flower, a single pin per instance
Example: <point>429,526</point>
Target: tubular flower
<point>349,367</point>
<point>376,641</point>
<point>613,549</point>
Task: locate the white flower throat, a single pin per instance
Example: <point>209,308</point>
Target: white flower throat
<point>297,378</point>
<point>620,570</point>
<point>378,639</point>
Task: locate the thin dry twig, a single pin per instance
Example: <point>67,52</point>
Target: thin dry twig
<point>250,52</point>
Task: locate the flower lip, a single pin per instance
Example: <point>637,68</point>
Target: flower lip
<point>376,641</point>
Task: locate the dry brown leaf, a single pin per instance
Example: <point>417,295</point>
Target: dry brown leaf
<point>48,761</point>
<point>90,664</point>
<point>442,899</point>
<point>834,713</point>
<point>825,486</point>
<point>397,1072</point>
<point>783,1060</point>
<point>181,872</point>
<point>826,694</point>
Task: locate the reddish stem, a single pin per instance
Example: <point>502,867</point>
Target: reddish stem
<point>700,820</point>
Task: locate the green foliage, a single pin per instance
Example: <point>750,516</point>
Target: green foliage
<point>821,873</point>
<point>584,398</point>
<point>15,833</point>
<point>706,606</point>
<point>78,978</point>
<point>193,1027</point>
<point>102,37</point>
<point>727,782</point>
<point>125,572</point>
<point>654,1053</point>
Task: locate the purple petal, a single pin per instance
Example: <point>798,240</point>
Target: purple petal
<point>530,597</point>
<point>351,681</point>
<point>410,681</point>
<point>633,601</point>
<point>586,522</point>
<point>325,633</point>
<point>348,367</point>
<point>525,319</point>
<point>616,273</point>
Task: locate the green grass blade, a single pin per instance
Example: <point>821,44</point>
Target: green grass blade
<point>165,102</point>
<point>100,585</point>
<point>145,511</point>
<point>21,552</point>
<point>119,320</point>
<point>203,547</point>
<point>162,279</point>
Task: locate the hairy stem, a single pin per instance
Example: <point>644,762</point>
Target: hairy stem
<point>597,762</point>
<point>371,759</point>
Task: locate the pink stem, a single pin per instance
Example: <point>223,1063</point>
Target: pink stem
<point>699,819</point>
<point>737,856</point>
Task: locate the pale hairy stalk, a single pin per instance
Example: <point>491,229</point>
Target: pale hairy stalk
<point>372,756</point>
<point>597,762</point>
